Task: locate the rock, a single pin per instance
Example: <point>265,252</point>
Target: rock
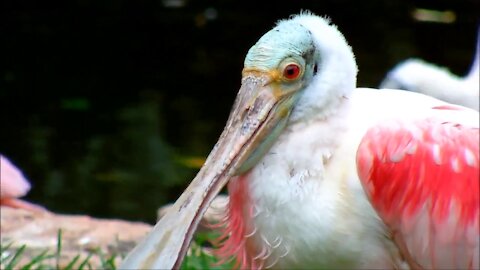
<point>81,235</point>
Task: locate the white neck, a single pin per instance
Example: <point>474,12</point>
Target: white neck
<point>337,71</point>
<point>300,179</point>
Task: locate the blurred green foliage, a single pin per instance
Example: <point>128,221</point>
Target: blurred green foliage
<point>127,173</point>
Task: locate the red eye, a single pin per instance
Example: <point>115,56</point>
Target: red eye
<point>291,71</point>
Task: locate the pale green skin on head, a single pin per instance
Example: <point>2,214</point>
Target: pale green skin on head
<point>286,43</point>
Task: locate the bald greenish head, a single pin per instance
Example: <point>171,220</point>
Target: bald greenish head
<point>286,40</point>
<point>327,68</point>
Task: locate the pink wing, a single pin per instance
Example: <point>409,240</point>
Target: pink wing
<point>423,180</point>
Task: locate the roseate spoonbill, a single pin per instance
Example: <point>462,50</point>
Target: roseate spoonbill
<point>13,185</point>
<point>422,77</point>
<point>323,175</point>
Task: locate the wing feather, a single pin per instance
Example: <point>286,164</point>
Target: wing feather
<point>422,177</point>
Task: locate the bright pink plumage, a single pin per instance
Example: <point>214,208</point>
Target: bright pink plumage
<point>234,241</point>
<point>423,179</point>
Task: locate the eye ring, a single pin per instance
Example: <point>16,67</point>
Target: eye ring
<point>291,71</point>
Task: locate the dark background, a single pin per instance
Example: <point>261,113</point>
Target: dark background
<point>109,106</point>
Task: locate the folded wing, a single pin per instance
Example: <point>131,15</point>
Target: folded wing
<point>422,177</point>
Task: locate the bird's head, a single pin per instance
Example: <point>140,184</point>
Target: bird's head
<point>299,70</point>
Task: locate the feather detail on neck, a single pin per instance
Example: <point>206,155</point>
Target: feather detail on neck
<point>235,241</point>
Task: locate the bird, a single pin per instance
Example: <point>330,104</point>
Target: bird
<point>14,185</point>
<point>420,76</point>
<point>324,175</point>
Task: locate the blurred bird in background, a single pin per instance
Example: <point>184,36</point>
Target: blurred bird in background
<point>419,76</point>
<point>14,185</point>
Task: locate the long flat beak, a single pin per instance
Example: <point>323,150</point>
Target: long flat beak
<point>259,114</point>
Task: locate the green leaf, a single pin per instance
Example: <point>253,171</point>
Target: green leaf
<point>72,263</point>
<point>16,257</point>
<point>37,260</point>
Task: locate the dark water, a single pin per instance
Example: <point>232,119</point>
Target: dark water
<point>104,103</point>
